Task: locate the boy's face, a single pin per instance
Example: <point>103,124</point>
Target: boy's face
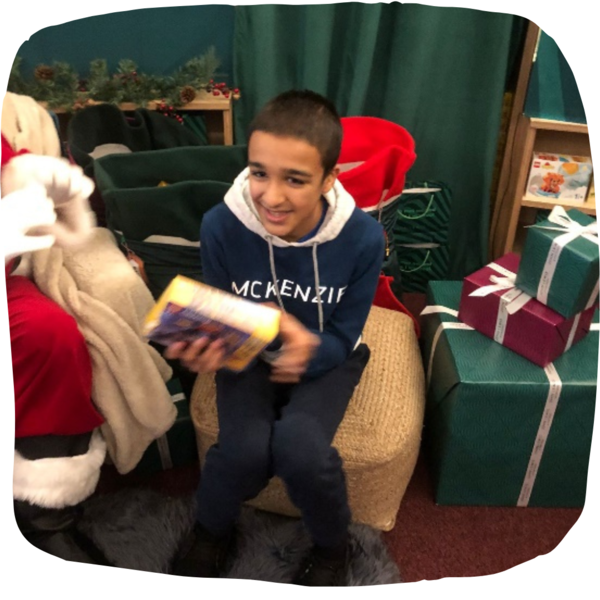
<point>286,184</point>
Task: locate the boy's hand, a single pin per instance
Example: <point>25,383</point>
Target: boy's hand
<point>298,347</point>
<point>199,356</point>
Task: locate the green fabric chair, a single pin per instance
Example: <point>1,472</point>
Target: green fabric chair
<point>155,202</point>
<point>102,128</point>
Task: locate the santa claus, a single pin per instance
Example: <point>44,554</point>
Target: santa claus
<point>58,447</point>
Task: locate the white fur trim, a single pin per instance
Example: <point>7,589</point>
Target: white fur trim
<point>239,202</point>
<point>59,482</point>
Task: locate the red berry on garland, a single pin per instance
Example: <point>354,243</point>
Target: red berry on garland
<point>236,91</point>
<point>216,93</point>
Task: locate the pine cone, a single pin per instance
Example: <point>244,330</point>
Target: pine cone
<point>187,94</point>
<point>44,73</point>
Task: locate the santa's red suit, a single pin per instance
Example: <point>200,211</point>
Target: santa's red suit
<point>58,447</point>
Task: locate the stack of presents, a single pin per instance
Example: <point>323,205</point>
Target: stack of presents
<point>511,361</point>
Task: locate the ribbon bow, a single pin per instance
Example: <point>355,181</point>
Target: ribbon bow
<point>499,283</point>
<point>571,228</point>
<point>514,299</point>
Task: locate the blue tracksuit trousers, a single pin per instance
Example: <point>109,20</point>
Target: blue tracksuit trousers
<point>268,429</point>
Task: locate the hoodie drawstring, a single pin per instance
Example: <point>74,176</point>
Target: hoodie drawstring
<point>274,274</point>
<point>318,286</point>
<point>317,283</point>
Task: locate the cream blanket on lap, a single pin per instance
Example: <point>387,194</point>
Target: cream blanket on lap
<point>97,286</point>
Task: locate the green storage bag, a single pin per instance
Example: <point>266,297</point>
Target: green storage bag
<point>421,263</point>
<point>423,213</point>
<point>177,447</point>
<point>155,202</point>
<point>105,129</point>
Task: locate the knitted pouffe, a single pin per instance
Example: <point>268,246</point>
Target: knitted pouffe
<point>380,434</point>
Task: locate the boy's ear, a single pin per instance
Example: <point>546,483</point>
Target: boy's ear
<point>330,179</point>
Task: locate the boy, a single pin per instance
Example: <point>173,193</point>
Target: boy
<point>287,233</point>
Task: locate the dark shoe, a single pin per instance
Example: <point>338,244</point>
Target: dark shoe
<point>202,554</point>
<point>324,568</point>
<point>55,531</point>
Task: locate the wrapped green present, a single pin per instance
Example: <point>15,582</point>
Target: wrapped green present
<point>177,447</point>
<point>423,213</point>
<point>559,263</point>
<point>499,430</point>
<point>420,263</point>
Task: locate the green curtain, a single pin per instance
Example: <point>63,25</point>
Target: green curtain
<point>438,72</point>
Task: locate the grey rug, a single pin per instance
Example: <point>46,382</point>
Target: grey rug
<point>141,529</point>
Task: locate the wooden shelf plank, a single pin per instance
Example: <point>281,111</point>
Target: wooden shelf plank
<point>537,123</point>
<point>202,101</point>
<point>219,131</point>
<point>586,207</point>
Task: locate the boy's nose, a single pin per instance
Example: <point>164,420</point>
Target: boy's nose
<point>273,195</point>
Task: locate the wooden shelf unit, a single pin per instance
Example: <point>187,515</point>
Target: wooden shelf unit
<point>587,207</point>
<point>217,110</point>
<point>535,135</point>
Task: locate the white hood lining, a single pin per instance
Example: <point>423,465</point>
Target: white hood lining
<point>239,202</point>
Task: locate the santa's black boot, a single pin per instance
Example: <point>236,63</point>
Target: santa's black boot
<point>54,530</point>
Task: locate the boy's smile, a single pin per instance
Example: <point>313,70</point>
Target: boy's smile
<point>286,184</point>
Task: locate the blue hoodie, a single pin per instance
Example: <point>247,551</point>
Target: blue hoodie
<point>342,260</point>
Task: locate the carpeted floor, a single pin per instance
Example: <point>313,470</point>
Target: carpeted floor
<point>141,529</point>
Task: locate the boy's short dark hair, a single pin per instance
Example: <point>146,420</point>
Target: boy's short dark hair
<point>305,115</point>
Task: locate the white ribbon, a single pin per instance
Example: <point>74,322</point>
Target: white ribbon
<point>542,434</point>
<point>515,299</point>
<point>593,295</point>
<point>510,302</point>
<point>571,230</point>
<point>436,309</point>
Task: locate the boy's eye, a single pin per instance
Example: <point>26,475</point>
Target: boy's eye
<point>258,174</point>
<point>295,181</point>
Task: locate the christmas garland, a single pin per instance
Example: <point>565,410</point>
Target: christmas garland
<point>59,85</point>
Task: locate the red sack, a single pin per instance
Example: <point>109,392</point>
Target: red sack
<point>375,156</point>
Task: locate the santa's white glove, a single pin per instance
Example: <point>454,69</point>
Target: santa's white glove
<point>65,184</point>
<point>26,218</point>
